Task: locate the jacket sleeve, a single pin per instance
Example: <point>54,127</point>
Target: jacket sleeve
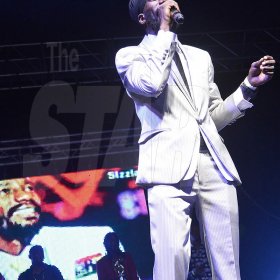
<point>145,71</point>
<point>223,112</point>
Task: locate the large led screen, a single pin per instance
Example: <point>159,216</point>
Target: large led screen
<point>68,215</point>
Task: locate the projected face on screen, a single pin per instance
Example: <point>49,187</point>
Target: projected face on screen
<point>20,205</point>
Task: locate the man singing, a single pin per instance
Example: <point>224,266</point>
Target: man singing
<point>182,159</point>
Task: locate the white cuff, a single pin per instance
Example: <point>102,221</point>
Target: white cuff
<point>247,84</point>
<point>241,103</point>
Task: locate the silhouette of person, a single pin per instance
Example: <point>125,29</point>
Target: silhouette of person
<point>40,270</point>
<point>116,265</point>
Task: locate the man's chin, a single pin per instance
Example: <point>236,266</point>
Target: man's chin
<point>23,232</point>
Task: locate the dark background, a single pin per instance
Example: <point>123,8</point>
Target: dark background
<point>253,141</point>
<point>57,20</point>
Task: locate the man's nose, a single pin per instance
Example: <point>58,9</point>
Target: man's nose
<point>21,195</point>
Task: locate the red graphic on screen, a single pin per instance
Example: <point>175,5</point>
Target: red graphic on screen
<point>67,195</point>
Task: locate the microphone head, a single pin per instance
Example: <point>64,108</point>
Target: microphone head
<point>178,17</point>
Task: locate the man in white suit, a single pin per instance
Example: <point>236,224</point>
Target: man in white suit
<point>182,159</point>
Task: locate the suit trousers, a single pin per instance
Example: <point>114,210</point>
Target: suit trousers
<point>215,201</point>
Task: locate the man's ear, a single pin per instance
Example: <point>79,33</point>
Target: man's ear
<point>141,19</point>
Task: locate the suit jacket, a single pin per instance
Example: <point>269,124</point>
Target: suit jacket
<point>173,116</point>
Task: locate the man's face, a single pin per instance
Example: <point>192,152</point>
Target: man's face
<point>151,15</point>
<point>19,204</point>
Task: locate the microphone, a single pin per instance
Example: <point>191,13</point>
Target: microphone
<point>177,16</point>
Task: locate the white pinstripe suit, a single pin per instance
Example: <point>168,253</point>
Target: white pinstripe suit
<point>173,119</point>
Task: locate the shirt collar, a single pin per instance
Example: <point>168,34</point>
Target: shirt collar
<point>149,39</point>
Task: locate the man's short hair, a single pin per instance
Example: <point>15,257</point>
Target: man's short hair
<point>109,236</point>
<point>136,7</point>
<point>34,249</point>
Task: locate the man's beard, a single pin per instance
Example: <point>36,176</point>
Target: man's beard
<point>24,233</point>
<point>152,21</point>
